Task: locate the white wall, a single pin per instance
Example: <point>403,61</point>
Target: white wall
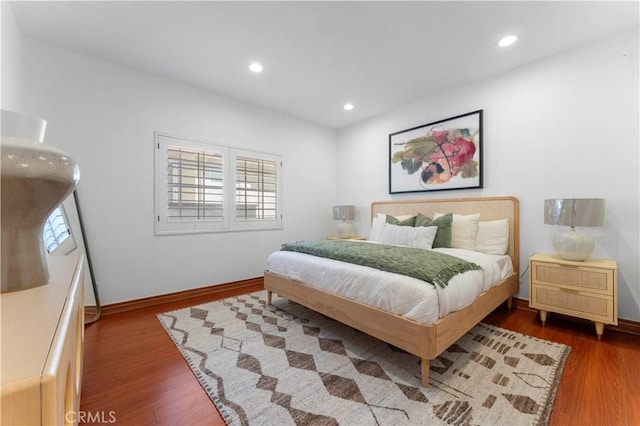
<point>566,126</point>
<point>104,116</point>
<point>11,66</point>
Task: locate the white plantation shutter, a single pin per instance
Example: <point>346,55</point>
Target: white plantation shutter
<point>202,187</point>
<point>56,235</point>
<point>195,184</point>
<point>257,190</point>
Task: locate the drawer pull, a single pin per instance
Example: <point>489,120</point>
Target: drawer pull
<point>569,290</point>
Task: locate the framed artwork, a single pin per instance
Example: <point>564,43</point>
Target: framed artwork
<point>440,155</point>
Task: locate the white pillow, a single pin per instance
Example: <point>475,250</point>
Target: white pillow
<point>493,236</point>
<point>377,227</point>
<point>463,230</point>
<point>420,237</point>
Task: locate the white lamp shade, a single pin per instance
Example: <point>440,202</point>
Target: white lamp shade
<point>574,211</point>
<point>344,212</point>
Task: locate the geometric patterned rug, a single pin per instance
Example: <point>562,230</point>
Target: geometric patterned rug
<point>287,365</point>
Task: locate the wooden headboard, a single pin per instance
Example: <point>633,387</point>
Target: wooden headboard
<point>490,208</point>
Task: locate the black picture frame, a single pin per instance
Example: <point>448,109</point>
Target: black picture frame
<point>440,155</point>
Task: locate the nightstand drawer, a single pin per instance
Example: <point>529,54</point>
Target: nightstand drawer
<point>578,277</point>
<point>585,305</point>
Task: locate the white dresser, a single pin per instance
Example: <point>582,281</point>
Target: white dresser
<point>42,333</point>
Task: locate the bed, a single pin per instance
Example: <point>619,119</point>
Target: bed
<point>425,340</point>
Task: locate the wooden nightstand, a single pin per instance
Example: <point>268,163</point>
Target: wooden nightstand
<point>353,237</point>
<point>587,289</point>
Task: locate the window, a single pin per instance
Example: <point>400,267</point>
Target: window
<point>56,235</point>
<point>194,184</point>
<point>203,187</point>
<point>255,181</point>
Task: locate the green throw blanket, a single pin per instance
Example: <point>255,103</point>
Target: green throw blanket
<point>426,265</point>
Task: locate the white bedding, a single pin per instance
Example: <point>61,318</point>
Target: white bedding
<point>401,295</point>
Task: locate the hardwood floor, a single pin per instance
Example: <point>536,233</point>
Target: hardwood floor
<point>600,384</point>
<point>133,373</point>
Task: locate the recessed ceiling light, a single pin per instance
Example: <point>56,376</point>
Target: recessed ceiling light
<point>348,107</point>
<point>507,41</point>
<point>255,67</point>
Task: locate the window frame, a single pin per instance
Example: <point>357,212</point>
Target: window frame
<point>228,222</point>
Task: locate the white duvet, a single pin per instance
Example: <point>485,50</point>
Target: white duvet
<point>399,294</point>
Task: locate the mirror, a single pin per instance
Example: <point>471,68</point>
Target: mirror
<point>64,234</point>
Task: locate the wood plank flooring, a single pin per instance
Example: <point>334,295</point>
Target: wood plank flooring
<point>134,374</point>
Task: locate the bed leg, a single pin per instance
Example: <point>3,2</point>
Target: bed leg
<point>424,367</point>
<point>509,303</point>
<point>269,293</point>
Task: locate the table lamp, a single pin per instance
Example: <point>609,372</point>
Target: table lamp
<point>344,213</point>
<point>572,212</point>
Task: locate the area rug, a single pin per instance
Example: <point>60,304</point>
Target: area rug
<point>287,365</point>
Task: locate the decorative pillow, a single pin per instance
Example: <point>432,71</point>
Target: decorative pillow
<point>493,237</point>
<point>377,227</point>
<point>463,230</point>
<point>443,236</point>
<point>421,237</point>
<point>405,220</point>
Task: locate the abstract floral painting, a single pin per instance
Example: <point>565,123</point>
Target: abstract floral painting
<point>440,155</point>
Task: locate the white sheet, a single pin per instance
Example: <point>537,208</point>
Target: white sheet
<point>401,295</point>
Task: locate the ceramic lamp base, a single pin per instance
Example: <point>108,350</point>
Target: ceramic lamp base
<point>345,230</point>
<point>573,245</point>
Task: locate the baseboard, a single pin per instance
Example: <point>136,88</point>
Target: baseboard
<point>257,283</point>
<point>624,325</point>
<point>214,291</point>
<point>90,311</point>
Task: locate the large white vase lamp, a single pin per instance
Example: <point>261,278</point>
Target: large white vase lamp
<point>574,244</point>
<point>34,179</point>
<point>344,213</point>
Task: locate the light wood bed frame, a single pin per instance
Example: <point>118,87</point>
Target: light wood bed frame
<point>426,341</point>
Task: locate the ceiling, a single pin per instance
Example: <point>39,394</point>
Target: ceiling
<point>317,56</point>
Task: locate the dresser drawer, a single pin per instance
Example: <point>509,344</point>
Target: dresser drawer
<point>582,304</point>
<point>42,365</point>
<point>597,280</point>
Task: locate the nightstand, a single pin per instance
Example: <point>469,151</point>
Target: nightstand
<point>353,237</point>
<point>587,289</point>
